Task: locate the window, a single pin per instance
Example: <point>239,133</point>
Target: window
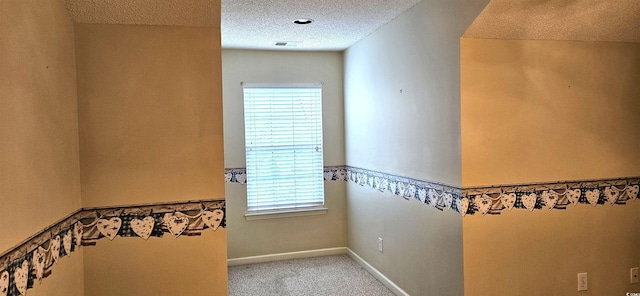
<point>283,141</point>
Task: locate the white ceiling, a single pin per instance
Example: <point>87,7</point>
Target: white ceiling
<point>253,24</point>
<point>338,24</point>
<point>258,24</point>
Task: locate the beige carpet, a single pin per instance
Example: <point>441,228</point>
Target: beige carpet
<point>329,275</point>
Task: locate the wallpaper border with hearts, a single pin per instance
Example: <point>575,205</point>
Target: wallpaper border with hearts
<point>549,195</point>
<point>33,259</point>
<point>440,196</point>
<point>492,199</point>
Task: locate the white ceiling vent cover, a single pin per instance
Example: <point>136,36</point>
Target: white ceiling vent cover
<point>287,43</point>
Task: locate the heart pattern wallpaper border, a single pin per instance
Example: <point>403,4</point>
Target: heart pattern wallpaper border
<point>549,195</point>
<point>33,259</point>
<point>438,195</point>
<point>492,199</point>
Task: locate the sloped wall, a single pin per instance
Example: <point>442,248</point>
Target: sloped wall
<point>580,20</point>
<point>39,165</point>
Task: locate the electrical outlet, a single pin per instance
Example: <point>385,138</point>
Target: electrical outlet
<point>634,275</point>
<point>582,281</point>
<point>380,244</point>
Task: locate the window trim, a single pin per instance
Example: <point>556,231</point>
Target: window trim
<point>294,211</point>
<point>285,213</point>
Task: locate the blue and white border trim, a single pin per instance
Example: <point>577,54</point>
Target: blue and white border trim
<point>483,199</point>
<point>331,173</point>
<point>440,196</point>
<point>238,175</point>
<point>553,195</point>
<point>32,260</point>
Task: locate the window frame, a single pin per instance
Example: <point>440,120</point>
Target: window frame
<point>308,106</point>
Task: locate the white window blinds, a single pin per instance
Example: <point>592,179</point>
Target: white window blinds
<point>283,139</point>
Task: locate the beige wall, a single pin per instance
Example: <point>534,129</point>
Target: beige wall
<point>560,110</point>
<point>282,235</point>
<point>402,116</point>
<point>550,111</point>
<point>150,113</point>
<point>422,247</point>
<point>39,167</point>
<point>261,237</point>
<point>150,121</point>
<point>260,66</point>
<point>181,266</point>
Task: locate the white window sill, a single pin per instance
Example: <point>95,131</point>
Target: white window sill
<point>285,213</point>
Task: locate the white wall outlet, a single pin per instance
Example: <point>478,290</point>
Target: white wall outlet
<point>634,275</point>
<point>582,281</point>
<point>380,244</point>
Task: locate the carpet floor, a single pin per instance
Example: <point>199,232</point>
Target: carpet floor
<point>328,275</point>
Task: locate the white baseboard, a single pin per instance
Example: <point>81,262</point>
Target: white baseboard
<point>317,253</point>
<point>378,275</point>
<point>286,256</point>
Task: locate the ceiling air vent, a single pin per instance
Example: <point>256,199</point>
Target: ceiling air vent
<point>302,21</point>
<point>287,43</point>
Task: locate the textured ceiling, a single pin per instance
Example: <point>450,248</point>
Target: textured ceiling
<point>258,24</point>
<point>253,24</point>
<point>196,13</point>
<point>338,24</point>
<point>586,20</point>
